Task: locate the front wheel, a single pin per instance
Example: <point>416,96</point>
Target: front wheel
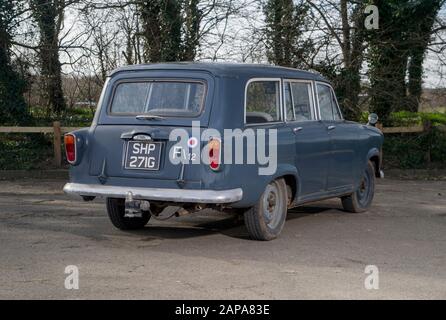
<point>116,213</point>
<point>361,199</point>
<point>265,220</point>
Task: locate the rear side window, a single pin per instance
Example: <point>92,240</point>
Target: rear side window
<point>298,101</point>
<point>327,103</point>
<point>164,98</point>
<point>263,102</point>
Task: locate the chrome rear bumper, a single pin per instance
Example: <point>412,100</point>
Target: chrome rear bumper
<point>175,195</point>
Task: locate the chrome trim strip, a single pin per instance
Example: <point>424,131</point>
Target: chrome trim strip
<point>175,195</point>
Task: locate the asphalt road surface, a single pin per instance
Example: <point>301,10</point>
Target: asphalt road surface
<point>322,253</point>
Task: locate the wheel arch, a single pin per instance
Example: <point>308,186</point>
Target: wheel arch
<point>291,176</point>
<point>374,155</point>
<point>286,171</point>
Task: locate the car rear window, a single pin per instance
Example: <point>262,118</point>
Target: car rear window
<point>163,98</point>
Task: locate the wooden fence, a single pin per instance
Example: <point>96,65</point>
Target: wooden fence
<point>57,132</point>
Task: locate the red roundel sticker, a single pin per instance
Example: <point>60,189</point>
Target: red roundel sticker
<point>192,142</point>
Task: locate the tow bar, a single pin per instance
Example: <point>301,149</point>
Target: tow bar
<point>134,208</point>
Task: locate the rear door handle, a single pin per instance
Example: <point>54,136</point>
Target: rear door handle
<point>331,127</point>
<point>297,129</point>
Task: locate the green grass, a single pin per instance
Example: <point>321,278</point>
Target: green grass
<point>76,117</point>
<point>408,119</point>
<point>405,118</point>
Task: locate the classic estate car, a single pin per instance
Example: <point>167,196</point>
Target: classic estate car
<point>161,145</point>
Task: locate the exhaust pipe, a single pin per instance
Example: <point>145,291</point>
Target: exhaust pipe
<point>189,210</point>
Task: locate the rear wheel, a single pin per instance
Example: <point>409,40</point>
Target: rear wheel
<point>266,219</point>
<point>361,199</point>
<point>116,213</point>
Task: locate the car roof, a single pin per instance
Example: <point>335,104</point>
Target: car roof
<point>227,69</point>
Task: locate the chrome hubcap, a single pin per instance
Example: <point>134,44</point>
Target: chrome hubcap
<point>271,201</point>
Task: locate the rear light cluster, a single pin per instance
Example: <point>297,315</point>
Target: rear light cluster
<point>214,147</point>
<point>70,147</point>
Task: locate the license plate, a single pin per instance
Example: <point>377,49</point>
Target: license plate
<point>143,155</point>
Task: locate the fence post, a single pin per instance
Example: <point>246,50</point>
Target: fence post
<point>57,144</point>
<point>427,126</point>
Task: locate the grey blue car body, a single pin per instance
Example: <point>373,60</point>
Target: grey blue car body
<point>318,157</point>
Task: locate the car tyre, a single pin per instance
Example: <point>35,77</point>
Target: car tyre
<point>361,199</point>
<point>266,219</point>
<point>116,212</point>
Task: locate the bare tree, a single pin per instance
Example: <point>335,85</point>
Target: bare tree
<point>49,16</point>
<point>342,22</point>
<point>103,37</point>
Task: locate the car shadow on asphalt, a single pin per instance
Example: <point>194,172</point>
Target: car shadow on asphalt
<point>180,228</point>
<point>232,226</point>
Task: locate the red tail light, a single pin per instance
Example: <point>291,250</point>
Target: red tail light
<point>70,147</point>
<point>214,147</point>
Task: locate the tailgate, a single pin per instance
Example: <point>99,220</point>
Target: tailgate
<point>118,155</point>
